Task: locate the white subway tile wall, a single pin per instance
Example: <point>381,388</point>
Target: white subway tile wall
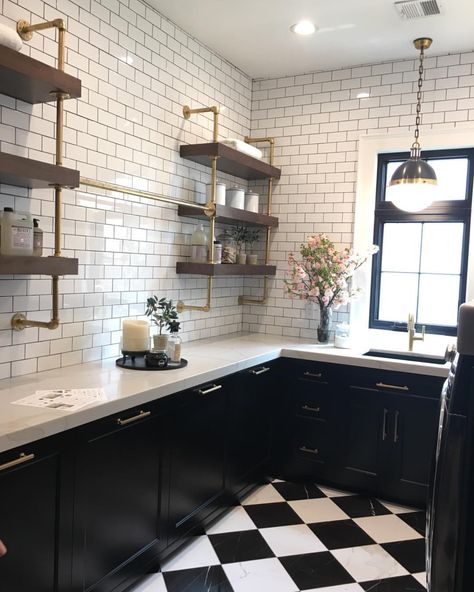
<point>137,71</point>
<point>317,120</point>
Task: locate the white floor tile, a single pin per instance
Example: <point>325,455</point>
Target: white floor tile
<point>263,575</point>
<point>333,492</point>
<point>369,563</point>
<point>421,577</point>
<point>292,540</point>
<point>266,494</point>
<point>396,509</point>
<point>154,583</point>
<point>343,588</point>
<point>318,510</point>
<point>197,553</point>
<point>387,529</point>
<point>236,519</point>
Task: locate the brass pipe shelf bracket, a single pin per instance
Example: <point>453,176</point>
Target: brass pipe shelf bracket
<point>25,31</point>
<point>20,321</point>
<point>210,209</point>
<point>263,300</point>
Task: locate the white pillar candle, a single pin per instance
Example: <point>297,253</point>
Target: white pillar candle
<point>135,335</point>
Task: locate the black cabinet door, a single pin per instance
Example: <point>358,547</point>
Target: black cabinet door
<point>32,503</point>
<point>196,438</point>
<point>117,505</point>
<point>364,439</point>
<point>252,411</point>
<point>413,433</point>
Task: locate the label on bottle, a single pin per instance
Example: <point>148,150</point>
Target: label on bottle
<point>176,356</point>
<point>22,237</point>
<point>199,253</point>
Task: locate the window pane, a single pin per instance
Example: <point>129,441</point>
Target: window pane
<point>391,168</point>
<point>442,247</point>
<point>438,303</point>
<point>452,177</point>
<point>401,247</point>
<point>397,296</point>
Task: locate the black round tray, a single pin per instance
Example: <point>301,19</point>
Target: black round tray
<point>138,363</point>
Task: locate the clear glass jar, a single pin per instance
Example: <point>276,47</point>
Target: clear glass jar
<point>229,248</point>
<point>173,348</point>
<point>342,336</point>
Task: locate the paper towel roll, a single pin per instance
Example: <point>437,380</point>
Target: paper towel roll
<point>10,38</point>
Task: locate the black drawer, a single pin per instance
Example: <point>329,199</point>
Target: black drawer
<point>397,382</point>
<point>311,441</point>
<point>313,403</point>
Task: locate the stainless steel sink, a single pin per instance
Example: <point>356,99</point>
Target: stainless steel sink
<point>410,356</point>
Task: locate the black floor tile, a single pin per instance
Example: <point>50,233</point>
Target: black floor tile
<point>410,554</point>
<point>341,534</point>
<point>268,515</point>
<point>315,570</point>
<point>298,491</point>
<point>358,506</point>
<point>416,520</point>
<point>234,547</point>
<point>401,584</point>
<point>199,579</point>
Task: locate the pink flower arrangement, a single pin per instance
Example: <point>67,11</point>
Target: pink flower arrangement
<point>323,274</point>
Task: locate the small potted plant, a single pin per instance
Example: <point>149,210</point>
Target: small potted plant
<point>253,235</point>
<point>239,234</point>
<point>162,313</point>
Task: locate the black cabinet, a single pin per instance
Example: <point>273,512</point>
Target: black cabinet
<point>196,438</point>
<point>117,528</point>
<point>253,401</point>
<point>34,518</point>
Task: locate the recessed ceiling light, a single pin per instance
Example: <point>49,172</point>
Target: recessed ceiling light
<point>363,95</point>
<point>303,28</point>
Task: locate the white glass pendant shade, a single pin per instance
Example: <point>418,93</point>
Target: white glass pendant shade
<point>413,186</point>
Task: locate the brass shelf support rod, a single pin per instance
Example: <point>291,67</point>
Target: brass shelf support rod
<point>25,30</point>
<point>210,208</point>
<point>271,142</point>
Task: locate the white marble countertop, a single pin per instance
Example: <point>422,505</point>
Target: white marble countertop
<point>208,360</point>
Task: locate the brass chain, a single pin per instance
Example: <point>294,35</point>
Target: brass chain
<point>416,144</point>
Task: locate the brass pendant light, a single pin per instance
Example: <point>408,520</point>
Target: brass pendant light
<point>413,185</point>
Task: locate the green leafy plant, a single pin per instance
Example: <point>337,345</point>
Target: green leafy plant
<point>174,326</point>
<point>253,234</point>
<point>239,234</point>
<point>162,312</point>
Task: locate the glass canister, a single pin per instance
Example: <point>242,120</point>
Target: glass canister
<point>342,336</point>
<point>229,248</point>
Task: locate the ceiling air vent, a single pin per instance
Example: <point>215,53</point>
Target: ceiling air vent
<point>411,9</point>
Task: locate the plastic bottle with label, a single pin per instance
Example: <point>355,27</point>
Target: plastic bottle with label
<point>17,233</point>
<point>199,245</point>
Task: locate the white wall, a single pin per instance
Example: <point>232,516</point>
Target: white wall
<point>317,121</point>
<point>137,71</point>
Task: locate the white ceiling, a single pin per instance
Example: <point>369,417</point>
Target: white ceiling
<point>254,35</point>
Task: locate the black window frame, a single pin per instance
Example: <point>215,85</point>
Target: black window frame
<point>439,211</point>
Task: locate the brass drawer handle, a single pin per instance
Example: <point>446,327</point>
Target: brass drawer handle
<point>141,415</point>
<point>18,461</point>
<point>214,387</point>
<point>262,370</point>
<point>394,387</point>
<point>313,374</point>
<point>313,409</point>
<point>310,450</point>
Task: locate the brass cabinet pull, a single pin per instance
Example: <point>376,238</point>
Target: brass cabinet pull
<point>141,415</point>
<point>384,427</point>
<point>308,408</point>
<point>395,387</point>
<point>262,370</point>
<point>395,430</point>
<point>313,374</point>
<point>18,461</point>
<point>310,450</point>
<point>214,387</point>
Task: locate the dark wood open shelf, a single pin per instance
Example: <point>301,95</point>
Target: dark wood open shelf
<point>228,215</point>
<point>25,78</point>
<point>224,269</point>
<point>230,161</point>
<point>25,172</point>
<point>29,265</point>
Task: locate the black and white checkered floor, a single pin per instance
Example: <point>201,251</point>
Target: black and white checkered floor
<point>287,537</point>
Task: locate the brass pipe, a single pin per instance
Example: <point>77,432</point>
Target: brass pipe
<point>20,321</point>
<point>187,112</point>
<point>142,193</point>
<point>263,300</point>
<point>25,31</point>
<point>181,306</point>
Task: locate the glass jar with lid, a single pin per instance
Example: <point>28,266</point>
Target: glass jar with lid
<point>229,248</point>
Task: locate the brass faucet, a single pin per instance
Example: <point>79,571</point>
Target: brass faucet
<point>412,336</point>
